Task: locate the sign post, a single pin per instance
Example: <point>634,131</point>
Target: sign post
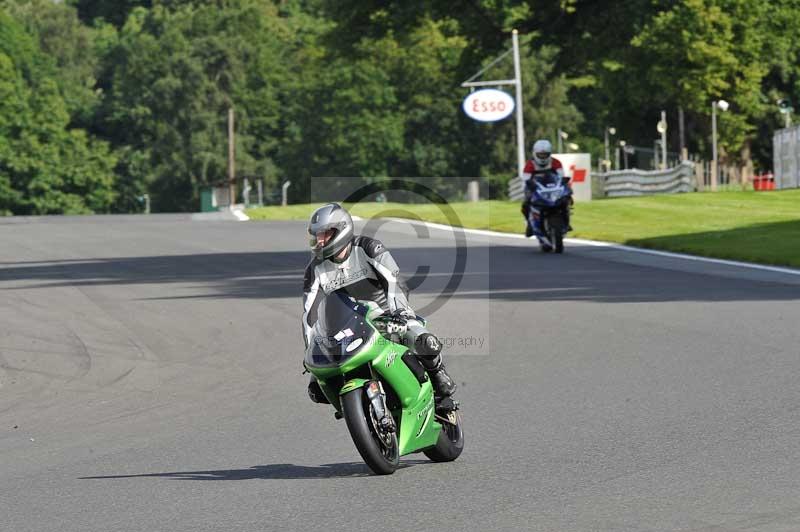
<point>517,82</point>
<point>518,87</point>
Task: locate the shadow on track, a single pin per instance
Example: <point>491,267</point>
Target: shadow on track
<point>511,273</point>
<point>269,472</point>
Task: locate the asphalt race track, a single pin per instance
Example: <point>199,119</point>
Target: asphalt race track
<point>150,380</point>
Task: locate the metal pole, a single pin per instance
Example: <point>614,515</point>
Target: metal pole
<point>664,140</point>
<point>560,141</point>
<point>608,156</point>
<point>714,165</point>
<point>284,188</point>
<point>231,163</point>
<point>518,86</point>
<point>260,185</point>
<point>684,155</point>
<point>616,159</point>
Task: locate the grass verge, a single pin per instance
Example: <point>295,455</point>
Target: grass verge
<point>762,227</point>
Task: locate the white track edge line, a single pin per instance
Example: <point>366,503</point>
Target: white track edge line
<point>613,245</point>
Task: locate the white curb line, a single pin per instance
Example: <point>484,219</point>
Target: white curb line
<point>239,213</point>
<point>612,245</point>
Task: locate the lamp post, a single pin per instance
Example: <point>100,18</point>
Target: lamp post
<point>723,105</point>
<point>562,136</point>
<point>616,155</point>
<point>571,146</point>
<point>785,107</point>
<point>662,128</point>
<point>609,131</point>
<point>625,148</point>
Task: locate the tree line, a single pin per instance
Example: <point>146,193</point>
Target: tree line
<point>102,102</point>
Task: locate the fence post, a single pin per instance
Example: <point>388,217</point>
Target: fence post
<point>473,191</point>
<point>699,175</point>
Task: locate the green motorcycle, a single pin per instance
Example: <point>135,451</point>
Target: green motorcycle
<point>378,386</point>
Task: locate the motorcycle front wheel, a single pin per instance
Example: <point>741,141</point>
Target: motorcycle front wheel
<point>556,233</point>
<point>379,450</point>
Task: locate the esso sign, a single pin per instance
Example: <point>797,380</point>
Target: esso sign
<point>488,105</point>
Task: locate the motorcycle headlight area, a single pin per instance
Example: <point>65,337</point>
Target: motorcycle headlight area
<point>551,195</point>
<point>341,346</point>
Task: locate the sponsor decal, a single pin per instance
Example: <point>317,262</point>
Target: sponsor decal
<point>390,358</point>
<point>427,410</point>
<point>344,280</point>
<point>578,174</point>
<point>347,333</point>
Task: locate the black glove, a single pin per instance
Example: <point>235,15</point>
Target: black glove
<point>402,315</point>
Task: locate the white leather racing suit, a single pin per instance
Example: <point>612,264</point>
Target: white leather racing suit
<point>369,273</point>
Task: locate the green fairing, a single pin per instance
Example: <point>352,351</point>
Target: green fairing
<point>418,428</point>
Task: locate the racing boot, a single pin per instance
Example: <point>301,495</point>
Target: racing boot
<point>443,385</point>
<point>525,211</point>
<point>428,349</point>
<point>528,230</point>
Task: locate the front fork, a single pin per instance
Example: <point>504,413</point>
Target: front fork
<point>377,398</point>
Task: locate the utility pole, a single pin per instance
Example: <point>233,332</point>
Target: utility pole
<point>231,160</point>
<point>607,160</point>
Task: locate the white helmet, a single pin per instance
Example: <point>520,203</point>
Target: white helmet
<point>542,151</point>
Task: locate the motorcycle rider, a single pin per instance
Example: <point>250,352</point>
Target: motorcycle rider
<point>541,163</point>
<point>365,270</point>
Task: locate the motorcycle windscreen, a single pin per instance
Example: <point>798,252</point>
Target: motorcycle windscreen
<point>548,179</point>
<point>341,331</point>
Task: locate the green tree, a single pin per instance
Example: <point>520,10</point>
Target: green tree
<point>72,48</point>
<point>175,73</point>
<point>45,167</point>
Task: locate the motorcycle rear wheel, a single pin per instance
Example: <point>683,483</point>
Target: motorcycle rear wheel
<point>382,457</point>
<point>451,440</point>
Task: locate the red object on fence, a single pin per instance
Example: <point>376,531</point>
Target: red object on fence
<point>764,182</point>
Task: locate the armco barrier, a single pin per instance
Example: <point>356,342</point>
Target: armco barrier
<point>634,182</point>
<point>624,183</point>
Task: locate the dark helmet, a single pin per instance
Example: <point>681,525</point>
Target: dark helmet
<point>335,227</point>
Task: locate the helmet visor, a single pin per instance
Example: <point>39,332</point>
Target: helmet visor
<point>321,238</point>
<point>542,155</point>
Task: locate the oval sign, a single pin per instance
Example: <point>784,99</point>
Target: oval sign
<point>488,105</point>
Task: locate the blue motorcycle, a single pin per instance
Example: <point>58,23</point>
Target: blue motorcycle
<point>549,198</point>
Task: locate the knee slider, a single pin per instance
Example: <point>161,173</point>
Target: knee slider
<point>428,348</point>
